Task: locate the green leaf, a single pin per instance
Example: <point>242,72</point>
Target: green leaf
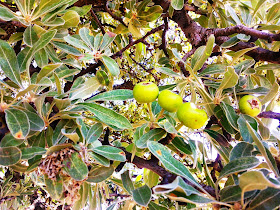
<point>17,122</point>
<point>111,153</point>
<point>47,70</point>
<point>230,79</point>
<point>47,6</point>
<point>152,14</point>
<point>108,38</point>
<point>154,206</point>
<point>267,199</point>
<point>75,167</point>
<point>257,139</point>
<point>213,69</point>
<point>108,116</point>
<point>113,95</point>
<point>41,58</point>
<point>273,12</point>
<point>6,14</point>
<point>10,140</point>
<point>30,152</point>
<point>25,56</point>
<point>243,128</point>
<point>271,94</point>
<point>171,164</point>
<point>100,159</point>
<point>87,89</point>
<point>54,187</point>
<point>100,174</point>
<point>36,122</point>
<point>142,195</point>
<point>94,133</point>
<point>233,194</point>
<point>231,42</point>
<point>153,135</point>
<point>150,178</point>
<point>177,4</point>
<point>88,39</point>
<point>72,19</point>
<point>232,13</point>
<point>111,65</point>
<point>242,149</point>
<point>8,62</point>
<point>77,43</point>
<point>127,183</point>
<point>29,36</point>
<point>219,113</point>
<point>66,48</point>
<point>167,71</point>
<point>221,139</point>
<point>240,53</point>
<point>231,115</point>
<point>238,165</point>
<point>9,155</point>
<point>181,145</point>
<point>255,180</point>
<point>202,54</point>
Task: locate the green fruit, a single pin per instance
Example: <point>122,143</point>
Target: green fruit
<point>145,92</point>
<point>191,116</point>
<point>169,101</point>
<point>250,105</point>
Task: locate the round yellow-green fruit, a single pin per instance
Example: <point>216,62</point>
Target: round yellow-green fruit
<point>250,105</point>
<point>191,116</point>
<point>145,92</point>
<point>169,101</point>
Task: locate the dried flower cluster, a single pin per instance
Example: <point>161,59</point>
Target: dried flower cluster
<point>53,163</point>
<point>71,192</point>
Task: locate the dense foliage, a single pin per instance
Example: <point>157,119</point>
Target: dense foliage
<point>73,136</point>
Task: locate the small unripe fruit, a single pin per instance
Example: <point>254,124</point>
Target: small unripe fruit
<point>191,116</point>
<point>145,92</point>
<point>169,101</point>
<point>250,105</point>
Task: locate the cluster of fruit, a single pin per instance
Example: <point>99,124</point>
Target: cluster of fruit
<point>187,113</point>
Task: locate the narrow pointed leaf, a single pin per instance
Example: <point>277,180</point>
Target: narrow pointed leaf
<point>8,62</point>
<point>152,135</point>
<point>238,165</point>
<point>108,116</point>
<point>94,133</point>
<point>113,95</point>
<point>111,65</point>
<point>111,153</point>
<point>100,174</point>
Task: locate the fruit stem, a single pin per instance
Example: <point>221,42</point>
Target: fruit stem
<point>152,117</point>
<point>160,115</point>
<point>178,127</point>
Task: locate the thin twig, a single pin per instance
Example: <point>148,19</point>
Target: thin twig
<point>270,114</point>
<point>113,15</point>
<point>97,21</point>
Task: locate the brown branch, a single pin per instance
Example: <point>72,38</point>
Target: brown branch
<point>97,21</point>
<point>182,65</point>
<point>163,37</point>
<point>162,172</point>
<point>140,64</point>
<point>241,29</point>
<point>270,114</point>
<point>113,15</point>
<point>119,53</point>
<point>198,35</point>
